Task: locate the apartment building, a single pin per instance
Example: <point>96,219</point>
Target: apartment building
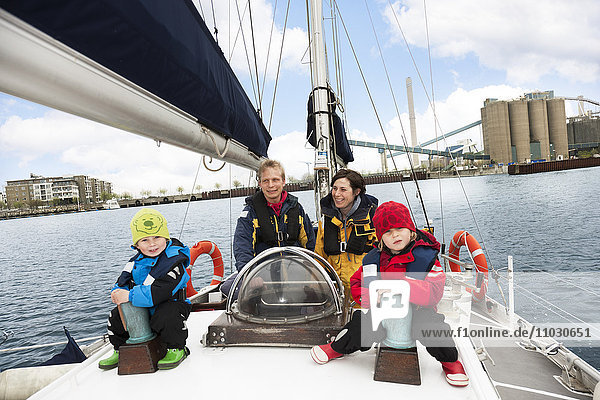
<point>65,189</point>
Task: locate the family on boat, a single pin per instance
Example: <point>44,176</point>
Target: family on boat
<point>362,241</point>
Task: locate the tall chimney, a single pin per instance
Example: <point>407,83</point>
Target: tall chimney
<point>411,117</point>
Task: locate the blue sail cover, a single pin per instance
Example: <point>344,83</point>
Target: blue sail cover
<point>162,46</point>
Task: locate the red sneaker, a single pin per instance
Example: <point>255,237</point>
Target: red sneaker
<point>324,353</point>
<point>455,373</point>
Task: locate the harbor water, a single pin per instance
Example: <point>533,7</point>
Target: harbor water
<point>58,270</point>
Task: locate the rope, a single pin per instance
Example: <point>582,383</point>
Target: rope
<point>211,137</point>
<point>279,65</point>
<point>210,169</point>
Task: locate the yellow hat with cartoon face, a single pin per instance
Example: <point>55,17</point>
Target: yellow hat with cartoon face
<point>148,222</point>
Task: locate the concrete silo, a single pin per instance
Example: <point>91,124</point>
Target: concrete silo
<point>496,131</point>
<point>518,114</point>
<point>538,129</point>
<point>557,128</point>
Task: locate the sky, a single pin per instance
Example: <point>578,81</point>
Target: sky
<point>466,51</point>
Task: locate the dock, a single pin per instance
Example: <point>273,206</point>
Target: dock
<point>557,165</point>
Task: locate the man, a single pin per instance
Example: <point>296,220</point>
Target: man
<point>271,218</point>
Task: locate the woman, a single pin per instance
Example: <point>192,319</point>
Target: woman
<point>346,233</point>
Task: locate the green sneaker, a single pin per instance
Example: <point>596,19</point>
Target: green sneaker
<point>110,362</point>
<point>173,358</point>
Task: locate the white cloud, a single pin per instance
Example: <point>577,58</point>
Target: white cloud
<point>293,152</point>
<point>237,45</point>
<point>528,40</point>
<point>130,162</point>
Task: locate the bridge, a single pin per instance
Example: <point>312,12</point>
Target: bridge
<point>420,150</point>
<point>427,143</point>
<point>404,149</point>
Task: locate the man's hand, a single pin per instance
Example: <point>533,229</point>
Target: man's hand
<point>119,296</point>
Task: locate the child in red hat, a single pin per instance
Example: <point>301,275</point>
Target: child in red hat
<point>404,252</point>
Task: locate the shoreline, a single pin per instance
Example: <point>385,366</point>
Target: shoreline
<point>371,179</point>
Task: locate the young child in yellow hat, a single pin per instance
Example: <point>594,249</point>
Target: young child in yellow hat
<point>154,278</point>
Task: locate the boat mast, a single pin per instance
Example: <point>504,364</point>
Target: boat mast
<point>324,165</point>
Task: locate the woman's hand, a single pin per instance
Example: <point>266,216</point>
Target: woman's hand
<point>119,296</point>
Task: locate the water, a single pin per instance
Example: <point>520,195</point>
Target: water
<point>57,270</point>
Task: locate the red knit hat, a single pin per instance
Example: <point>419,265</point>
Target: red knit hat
<point>391,215</point>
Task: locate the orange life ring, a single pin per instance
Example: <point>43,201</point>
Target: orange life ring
<point>460,239</point>
<point>205,247</point>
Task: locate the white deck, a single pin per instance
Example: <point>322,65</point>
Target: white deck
<point>258,373</point>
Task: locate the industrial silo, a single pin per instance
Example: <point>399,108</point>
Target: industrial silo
<point>519,129</point>
<point>496,131</point>
<point>557,128</point>
<point>538,129</point>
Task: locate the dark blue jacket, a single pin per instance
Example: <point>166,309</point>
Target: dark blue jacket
<point>246,241</point>
<point>153,280</point>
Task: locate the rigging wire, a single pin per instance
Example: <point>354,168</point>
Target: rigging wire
<point>229,27</point>
<point>435,127</point>
<point>595,294</point>
<point>373,104</point>
<point>214,22</point>
<point>403,135</point>
<point>237,34</point>
<point>201,9</point>
<point>259,105</point>
<point>262,91</point>
<point>574,317</point>
<point>482,241</point>
<point>37,346</point>
<point>279,66</point>
<point>340,81</point>
<point>190,200</point>
<point>337,58</point>
<point>230,233</point>
<point>254,89</point>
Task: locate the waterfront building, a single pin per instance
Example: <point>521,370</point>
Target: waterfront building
<point>70,189</point>
<point>584,130</point>
<point>533,127</point>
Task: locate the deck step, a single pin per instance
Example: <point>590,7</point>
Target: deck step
<point>397,366</point>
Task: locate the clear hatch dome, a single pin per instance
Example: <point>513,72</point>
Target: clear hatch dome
<point>286,285</point>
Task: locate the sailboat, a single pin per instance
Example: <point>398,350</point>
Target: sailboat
<point>170,82</point>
